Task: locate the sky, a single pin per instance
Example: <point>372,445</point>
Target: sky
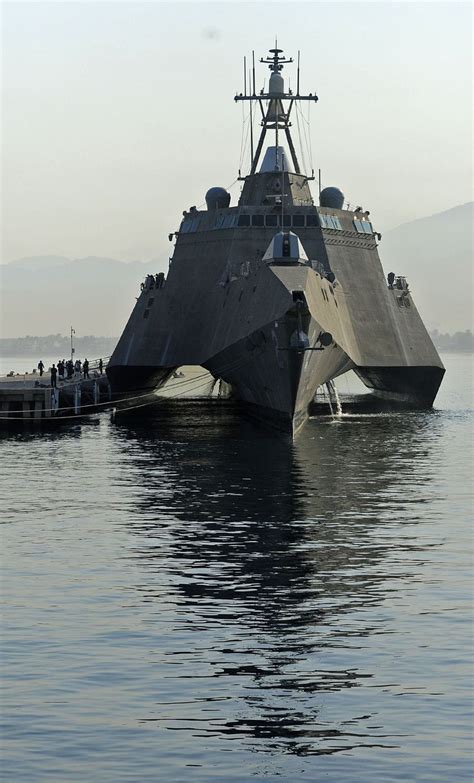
<point>117,116</point>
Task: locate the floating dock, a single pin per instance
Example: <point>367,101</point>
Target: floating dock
<point>30,396</point>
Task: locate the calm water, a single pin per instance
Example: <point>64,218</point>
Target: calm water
<point>190,598</point>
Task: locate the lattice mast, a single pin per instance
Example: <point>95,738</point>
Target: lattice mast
<point>274,115</point>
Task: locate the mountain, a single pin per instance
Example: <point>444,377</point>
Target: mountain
<point>36,263</point>
<point>48,294</point>
<point>435,254</point>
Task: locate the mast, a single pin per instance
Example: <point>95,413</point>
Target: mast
<point>272,105</point>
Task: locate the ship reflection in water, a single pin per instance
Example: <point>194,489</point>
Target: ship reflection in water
<point>275,573</point>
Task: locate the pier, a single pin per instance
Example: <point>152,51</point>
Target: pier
<point>29,396</point>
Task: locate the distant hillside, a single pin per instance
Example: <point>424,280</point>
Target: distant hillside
<point>459,342</point>
<point>35,263</point>
<point>436,255</point>
<point>48,294</point>
<point>57,344</point>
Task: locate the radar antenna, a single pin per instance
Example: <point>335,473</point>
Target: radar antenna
<point>274,115</point>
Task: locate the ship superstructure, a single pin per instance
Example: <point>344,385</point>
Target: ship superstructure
<point>276,295</point>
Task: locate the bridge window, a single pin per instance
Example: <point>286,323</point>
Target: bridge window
<point>330,221</point>
<point>363,226</point>
<point>229,221</point>
<point>244,220</point>
<point>274,220</point>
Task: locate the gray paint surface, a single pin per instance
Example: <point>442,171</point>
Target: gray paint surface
<point>219,294</point>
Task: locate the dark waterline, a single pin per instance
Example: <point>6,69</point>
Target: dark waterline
<point>191,598</point>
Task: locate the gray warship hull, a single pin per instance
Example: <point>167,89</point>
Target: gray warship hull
<point>254,312</point>
<point>277,296</point>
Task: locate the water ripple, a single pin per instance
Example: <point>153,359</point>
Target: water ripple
<point>188,597</point>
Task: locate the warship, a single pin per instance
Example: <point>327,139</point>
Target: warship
<point>276,296</point>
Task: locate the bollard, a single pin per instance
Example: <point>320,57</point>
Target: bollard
<point>77,398</point>
<point>54,401</point>
<point>47,403</point>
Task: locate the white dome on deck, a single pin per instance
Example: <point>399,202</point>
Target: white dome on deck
<point>285,247</point>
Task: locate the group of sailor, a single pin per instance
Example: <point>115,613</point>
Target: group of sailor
<point>397,282</point>
<point>153,281</point>
<point>72,370</point>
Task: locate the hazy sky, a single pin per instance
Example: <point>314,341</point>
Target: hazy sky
<point>116,116</point>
